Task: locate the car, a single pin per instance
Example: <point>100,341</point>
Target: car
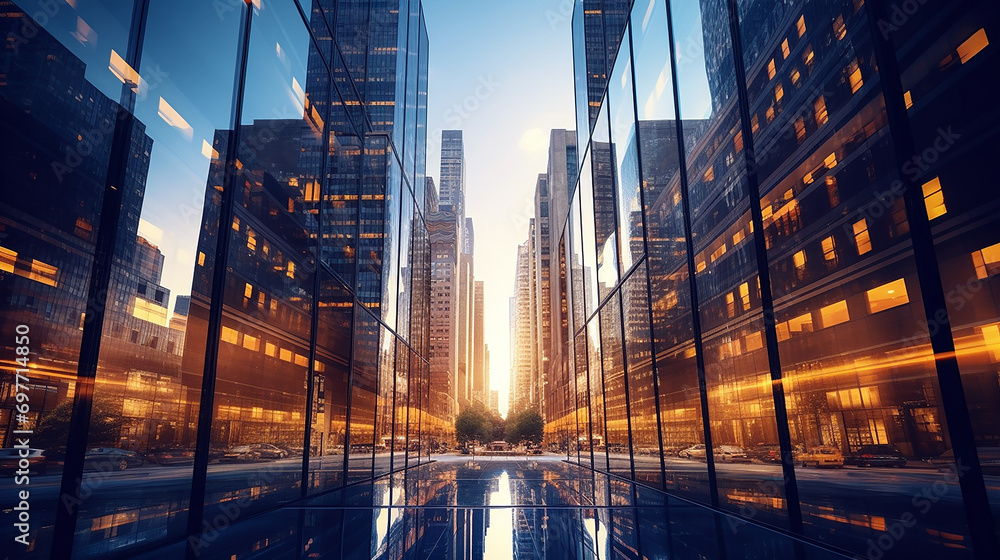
<point>694,452</point>
<point>171,455</point>
<point>268,451</point>
<point>730,454</point>
<point>767,453</point>
<point>878,455</point>
<point>111,458</point>
<point>10,459</point>
<point>821,456</point>
<point>989,460</point>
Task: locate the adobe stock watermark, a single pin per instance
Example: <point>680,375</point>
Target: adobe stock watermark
<point>899,15</point>
<point>462,110</point>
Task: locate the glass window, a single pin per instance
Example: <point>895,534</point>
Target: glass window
<point>625,146</point>
<point>364,388</point>
<point>643,417</point>
<point>605,220</point>
<point>588,237</point>
<point>615,394</point>
<point>598,433</point>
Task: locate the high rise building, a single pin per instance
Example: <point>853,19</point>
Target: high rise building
<point>231,265</point>
<point>762,260</point>
<point>452,177</point>
<point>480,381</point>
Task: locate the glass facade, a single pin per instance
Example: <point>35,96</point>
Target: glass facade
<point>220,269</point>
<point>781,257</point>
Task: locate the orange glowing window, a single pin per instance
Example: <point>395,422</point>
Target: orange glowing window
<point>854,77</point>
<point>730,305</point>
<point>290,272</point>
<point>887,296</point>
<point>835,314</point>
<point>754,123</point>
<point>829,249</point>
<point>801,25</point>
<point>769,114</point>
<point>770,69</point>
<point>251,240</point>
<point>754,341</point>
<point>236,224</point>
<point>700,266</point>
<point>839,29</point>
<point>795,76</point>
<point>861,239</point>
<point>779,92</point>
<point>819,110</point>
<point>270,349</point>
<point>745,295</point>
<point>251,343</point>
<point>285,355</point>
<point>43,272</point>
<point>230,335</point>
<point>301,360</point>
<point>718,252</point>
<point>201,259</point>
<point>708,175</point>
<point>987,261</point>
<point>971,46</point>
<point>908,99</point>
<point>782,331</point>
<point>247,290</point>
<point>738,236</point>
<point>808,55</point>
<point>800,129</point>
<point>785,51</point>
<point>934,199</point>
<point>738,141</point>
<point>801,324</point>
<point>8,259</point>
<point>799,259</point>
<point>831,161</point>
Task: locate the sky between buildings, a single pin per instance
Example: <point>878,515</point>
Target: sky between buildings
<point>502,72</point>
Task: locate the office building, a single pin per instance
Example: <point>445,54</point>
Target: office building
<point>774,262</point>
<point>217,262</point>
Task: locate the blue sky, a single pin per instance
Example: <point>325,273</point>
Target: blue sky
<point>508,67</point>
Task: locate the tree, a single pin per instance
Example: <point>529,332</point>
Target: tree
<point>473,424</point>
<point>105,425</point>
<point>525,426</point>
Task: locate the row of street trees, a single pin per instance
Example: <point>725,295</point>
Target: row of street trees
<point>477,423</point>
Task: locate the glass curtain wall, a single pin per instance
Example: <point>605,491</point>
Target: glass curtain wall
<point>242,225</point>
<point>775,214</point>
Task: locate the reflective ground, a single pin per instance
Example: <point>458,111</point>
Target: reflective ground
<point>493,508</point>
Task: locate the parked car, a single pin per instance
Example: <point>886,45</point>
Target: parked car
<point>171,455</point>
<point>104,458</point>
<point>821,456</point>
<point>989,460</point>
<point>766,453</point>
<point>879,455</point>
<point>694,452</point>
<point>10,459</point>
<point>730,454</point>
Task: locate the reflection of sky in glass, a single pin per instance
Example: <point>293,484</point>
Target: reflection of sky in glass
<point>498,544</point>
<point>689,50</point>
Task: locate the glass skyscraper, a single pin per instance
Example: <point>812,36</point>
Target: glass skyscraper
<point>781,254</point>
<point>212,231</point>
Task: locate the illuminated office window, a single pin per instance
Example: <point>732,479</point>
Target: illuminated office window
<point>834,314</point>
<point>799,259</point>
<point>934,198</point>
<point>270,349</point>
<point>247,290</point>
<point>861,239</point>
<point>800,25</point>
<point>839,29</point>
<point>987,261</point>
<point>770,69</point>
<point>251,343</point>
<point>8,259</point>
<point>829,249</point>
<point>785,51</point>
<point>887,296</point>
<point>819,110</point>
<point>779,92</point>
<point>908,99</point>
<point>745,295</point>
<point>854,76</point>
<point>800,129</point>
<point>795,76</point>
<point>971,46</point>
<point>230,335</point>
